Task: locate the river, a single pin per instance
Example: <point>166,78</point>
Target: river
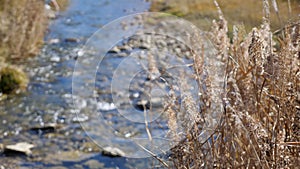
<point>48,99</point>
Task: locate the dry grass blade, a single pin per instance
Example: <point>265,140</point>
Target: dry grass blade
<point>153,155</point>
<point>146,123</point>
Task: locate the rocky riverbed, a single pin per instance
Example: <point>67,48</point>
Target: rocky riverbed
<point>44,116</point>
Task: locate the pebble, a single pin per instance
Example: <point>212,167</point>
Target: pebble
<point>136,95</point>
<point>126,48</point>
<point>124,25</point>
<point>161,43</point>
<point>80,103</point>
<point>145,46</point>
<point>58,168</point>
<point>53,41</point>
<point>122,54</point>
<point>74,40</point>
<point>50,13</point>
<point>178,51</point>
<point>113,152</point>
<point>80,53</point>
<point>80,118</point>
<point>104,106</point>
<point>67,95</point>
<point>55,59</point>
<point>115,49</point>
<point>157,100</point>
<point>127,135</point>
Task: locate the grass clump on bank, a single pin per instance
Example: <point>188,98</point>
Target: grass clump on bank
<point>12,79</point>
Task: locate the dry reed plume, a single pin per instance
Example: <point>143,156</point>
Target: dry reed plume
<point>260,126</point>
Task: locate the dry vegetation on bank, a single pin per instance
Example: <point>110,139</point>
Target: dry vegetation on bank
<point>248,13</point>
<point>23,26</point>
<point>260,127</point>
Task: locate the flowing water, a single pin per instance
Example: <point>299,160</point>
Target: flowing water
<point>49,97</point>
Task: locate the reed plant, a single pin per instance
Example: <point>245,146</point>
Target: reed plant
<point>260,124</point>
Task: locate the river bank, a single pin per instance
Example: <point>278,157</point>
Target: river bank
<point>247,14</point>
<point>22,31</point>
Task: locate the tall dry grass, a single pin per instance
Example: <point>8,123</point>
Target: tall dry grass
<point>22,28</point>
<point>23,24</point>
<point>260,126</point>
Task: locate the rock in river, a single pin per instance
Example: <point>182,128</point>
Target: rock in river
<point>113,152</point>
<point>55,59</point>
<point>46,128</point>
<point>19,148</point>
<point>104,106</point>
<point>115,49</point>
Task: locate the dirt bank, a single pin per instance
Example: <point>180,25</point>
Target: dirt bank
<point>248,13</point>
